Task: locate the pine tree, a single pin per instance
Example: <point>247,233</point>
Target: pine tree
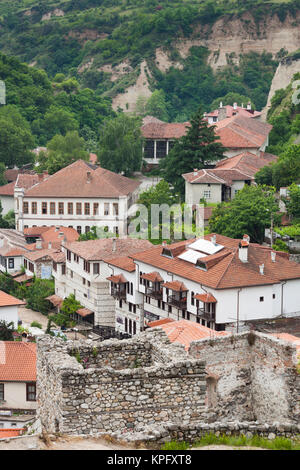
<point>197,149</point>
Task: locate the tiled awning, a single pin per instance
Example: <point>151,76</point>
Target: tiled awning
<point>55,300</point>
<point>176,286</point>
<point>118,279</point>
<point>84,312</point>
<point>206,298</point>
<point>153,277</point>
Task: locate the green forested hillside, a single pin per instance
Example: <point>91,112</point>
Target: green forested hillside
<point>60,36</point>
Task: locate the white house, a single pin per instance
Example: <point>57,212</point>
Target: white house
<point>9,308</point>
<point>218,282</point>
<point>224,181</point>
<point>17,376</point>
<point>79,196</point>
<point>82,269</point>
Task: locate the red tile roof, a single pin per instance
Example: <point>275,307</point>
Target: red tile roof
<point>226,270</point>
<point>55,300</point>
<point>117,279</point>
<point>123,262</point>
<point>17,361</point>
<point>175,286</point>
<point>7,300</point>
<point>84,312</point>
<point>103,249</point>
<point>153,277</point>
<point>206,298</point>
<point>11,432</point>
<point>81,179</point>
<point>7,189</point>
<point>247,162</point>
<point>216,176</point>
<point>185,331</point>
<point>164,130</point>
<point>234,132</point>
<point>231,111</point>
<point>162,321</point>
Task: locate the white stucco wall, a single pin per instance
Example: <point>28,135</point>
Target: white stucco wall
<point>9,314</point>
<point>15,396</point>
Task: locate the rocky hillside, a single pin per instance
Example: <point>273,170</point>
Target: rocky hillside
<point>193,51</point>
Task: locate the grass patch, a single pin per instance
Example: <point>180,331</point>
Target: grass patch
<point>279,443</point>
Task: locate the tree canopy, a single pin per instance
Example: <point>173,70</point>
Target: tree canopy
<point>249,212</point>
<point>197,149</point>
<point>120,144</point>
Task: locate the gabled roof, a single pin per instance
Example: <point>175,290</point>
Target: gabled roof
<point>81,179</point>
<point>7,300</point>
<point>17,361</point>
<point>247,162</point>
<point>216,176</point>
<point>164,130</point>
<point>225,270</point>
<point>7,189</point>
<point>107,249</point>
<point>242,132</point>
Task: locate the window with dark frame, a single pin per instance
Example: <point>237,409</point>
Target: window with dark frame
<point>44,207</point>
<point>30,392</point>
<point>11,263</point>
<point>60,208</point>
<point>78,209</point>
<point>25,208</point>
<point>70,208</point>
<point>87,208</point>
<point>1,392</point>
<point>96,268</point>
<point>34,208</point>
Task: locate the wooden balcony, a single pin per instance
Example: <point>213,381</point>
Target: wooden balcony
<point>177,302</point>
<point>118,293</point>
<point>154,292</point>
<point>202,313</point>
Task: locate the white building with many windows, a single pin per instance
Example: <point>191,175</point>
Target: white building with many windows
<point>79,196</point>
<point>82,269</point>
<point>219,282</point>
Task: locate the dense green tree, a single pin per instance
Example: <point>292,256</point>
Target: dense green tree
<point>120,144</point>
<point>198,148</point>
<point>6,331</point>
<point>16,140</point>
<point>156,105</point>
<point>2,176</point>
<point>158,194</point>
<point>287,169</point>
<point>249,212</point>
<point>293,201</point>
<point>61,152</point>
<point>10,219</point>
<point>37,293</point>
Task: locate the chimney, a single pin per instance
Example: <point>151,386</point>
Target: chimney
<point>221,104</point>
<point>195,171</point>
<point>88,176</point>
<point>38,244</point>
<point>261,269</point>
<point>243,249</point>
<point>273,256</point>
<point>114,245</point>
<point>222,113</point>
<point>235,106</point>
<point>249,106</point>
<point>164,243</point>
<point>49,245</point>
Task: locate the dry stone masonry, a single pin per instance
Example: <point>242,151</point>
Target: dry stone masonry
<point>146,387</point>
<point>112,386</point>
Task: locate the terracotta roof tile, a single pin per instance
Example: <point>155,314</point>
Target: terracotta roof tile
<point>160,322</point>
<point>17,361</point>
<point>84,312</point>
<point>102,249</point>
<point>164,130</point>
<point>7,189</point>
<point>55,300</point>
<point>81,179</point>
<point>185,331</point>
<point>229,271</point>
<point>117,279</point>
<point>153,277</point>
<point>11,432</point>
<point>7,300</point>
<point>206,298</point>
<point>123,262</point>
<point>175,286</point>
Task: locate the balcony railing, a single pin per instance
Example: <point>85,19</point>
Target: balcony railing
<point>202,313</point>
<point>177,302</point>
<point>154,292</point>
<point>118,293</point>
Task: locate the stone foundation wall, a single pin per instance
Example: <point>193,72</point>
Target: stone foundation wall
<point>255,377</point>
<point>121,387</point>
